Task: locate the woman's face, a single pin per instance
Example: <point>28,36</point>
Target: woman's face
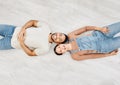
<point>62,48</point>
<point>58,37</point>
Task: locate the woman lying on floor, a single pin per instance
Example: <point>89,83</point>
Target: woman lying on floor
<point>100,43</point>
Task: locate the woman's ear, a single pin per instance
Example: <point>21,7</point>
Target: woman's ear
<point>57,43</point>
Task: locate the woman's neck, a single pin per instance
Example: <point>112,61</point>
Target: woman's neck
<point>69,46</point>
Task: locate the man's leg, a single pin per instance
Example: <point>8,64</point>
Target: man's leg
<point>110,44</point>
<point>5,43</point>
<point>6,30</point>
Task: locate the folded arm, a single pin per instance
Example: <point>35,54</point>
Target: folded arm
<point>27,50</point>
<point>31,23</point>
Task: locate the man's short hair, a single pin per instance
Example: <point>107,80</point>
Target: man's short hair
<point>66,39</point>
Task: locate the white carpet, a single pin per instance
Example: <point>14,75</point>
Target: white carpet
<point>16,68</point>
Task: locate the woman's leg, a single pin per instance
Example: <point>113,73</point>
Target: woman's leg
<point>5,43</point>
<point>113,29</point>
<point>6,30</point>
<point>110,44</point>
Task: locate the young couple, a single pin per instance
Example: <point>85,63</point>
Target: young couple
<point>35,38</point>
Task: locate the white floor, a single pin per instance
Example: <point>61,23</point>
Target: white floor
<point>16,68</point>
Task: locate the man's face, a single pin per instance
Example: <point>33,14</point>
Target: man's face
<point>58,37</point>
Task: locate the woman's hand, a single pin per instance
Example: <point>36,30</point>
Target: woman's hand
<point>114,52</point>
<point>104,30</point>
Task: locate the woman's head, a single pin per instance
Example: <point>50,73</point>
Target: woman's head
<point>60,49</point>
<point>59,38</point>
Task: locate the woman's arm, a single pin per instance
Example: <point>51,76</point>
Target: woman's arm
<point>87,28</point>
<point>92,56</point>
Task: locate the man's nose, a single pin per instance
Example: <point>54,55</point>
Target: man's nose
<point>57,35</point>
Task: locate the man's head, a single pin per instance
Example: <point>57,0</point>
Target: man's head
<point>59,38</point>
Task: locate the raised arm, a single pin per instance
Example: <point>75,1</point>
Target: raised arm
<point>31,23</point>
<point>87,28</point>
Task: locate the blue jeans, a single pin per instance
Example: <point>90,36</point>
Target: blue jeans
<point>107,42</point>
<point>6,31</point>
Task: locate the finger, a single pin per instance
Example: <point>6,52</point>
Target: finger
<point>108,30</point>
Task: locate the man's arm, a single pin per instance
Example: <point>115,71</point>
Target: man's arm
<point>24,47</point>
<point>87,28</point>
<point>27,50</point>
<point>31,23</point>
<point>92,56</point>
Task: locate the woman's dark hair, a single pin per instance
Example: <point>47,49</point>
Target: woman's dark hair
<point>55,50</point>
<point>66,39</point>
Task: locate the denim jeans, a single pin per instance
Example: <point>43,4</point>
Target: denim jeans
<point>6,31</point>
<point>107,42</point>
<point>102,43</point>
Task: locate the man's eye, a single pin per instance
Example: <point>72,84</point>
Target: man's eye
<point>60,39</point>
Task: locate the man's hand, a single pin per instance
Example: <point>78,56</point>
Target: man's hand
<point>21,36</point>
